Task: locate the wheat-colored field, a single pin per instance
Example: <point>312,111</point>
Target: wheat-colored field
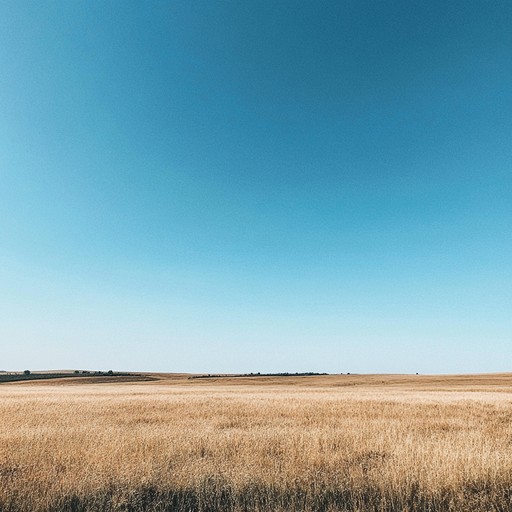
<point>330,443</point>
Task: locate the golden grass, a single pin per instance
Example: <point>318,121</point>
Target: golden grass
<point>336,443</point>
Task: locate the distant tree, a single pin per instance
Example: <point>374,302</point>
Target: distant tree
<point>26,372</point>
<point>110,372</point>
<point>76,372</point>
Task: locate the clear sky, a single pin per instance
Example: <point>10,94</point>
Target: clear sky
<point>237,186</point>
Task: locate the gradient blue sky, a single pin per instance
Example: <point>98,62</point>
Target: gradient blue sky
<point>232,186</point>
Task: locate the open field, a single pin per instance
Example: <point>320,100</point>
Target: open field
<point>326,443</point>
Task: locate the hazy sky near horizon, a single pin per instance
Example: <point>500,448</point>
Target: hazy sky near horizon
<point>237,186</point>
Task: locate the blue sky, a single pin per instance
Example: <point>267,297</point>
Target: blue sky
<point>225,186</point>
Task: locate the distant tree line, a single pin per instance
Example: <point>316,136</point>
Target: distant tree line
<point>28,375</point>
<point>258,374</point>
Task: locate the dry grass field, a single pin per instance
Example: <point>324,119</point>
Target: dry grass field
<point>326,443</point>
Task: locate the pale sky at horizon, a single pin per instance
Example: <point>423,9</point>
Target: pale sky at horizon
<point>224,186</point>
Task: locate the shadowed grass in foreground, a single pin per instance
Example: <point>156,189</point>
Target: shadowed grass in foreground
<point>218,496</point>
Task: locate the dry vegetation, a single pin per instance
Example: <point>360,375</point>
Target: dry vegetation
<point>334,443</point>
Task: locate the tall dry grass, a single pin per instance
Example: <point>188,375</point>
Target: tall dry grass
<point>264,448</point>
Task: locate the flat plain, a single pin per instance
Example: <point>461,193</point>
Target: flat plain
<point>296,443</point>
